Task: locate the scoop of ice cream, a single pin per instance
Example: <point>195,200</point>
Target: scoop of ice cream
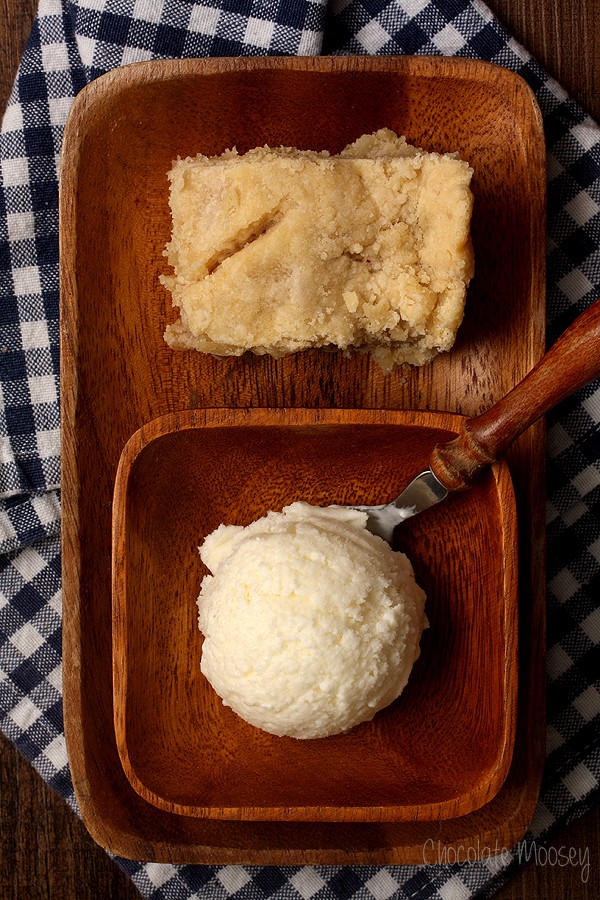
<point>311,623</point>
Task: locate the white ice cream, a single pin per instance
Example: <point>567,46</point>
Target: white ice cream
<point>311,624</point>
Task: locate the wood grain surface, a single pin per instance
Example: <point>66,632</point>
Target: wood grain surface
<point>113,313</point>
<point>44,851</point>
<point>182,750</point>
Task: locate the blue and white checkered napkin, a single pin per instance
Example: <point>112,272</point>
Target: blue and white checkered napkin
<point>73,42</point>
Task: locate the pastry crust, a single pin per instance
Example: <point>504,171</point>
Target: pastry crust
<point>281,250</point>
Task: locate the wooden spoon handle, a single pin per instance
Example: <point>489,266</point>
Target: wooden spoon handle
<point>572,362</point>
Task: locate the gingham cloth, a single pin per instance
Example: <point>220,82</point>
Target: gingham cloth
<point>72,43</point>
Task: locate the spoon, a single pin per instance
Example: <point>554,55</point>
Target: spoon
<point>572,362</point>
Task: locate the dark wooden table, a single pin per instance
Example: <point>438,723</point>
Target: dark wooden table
<point>45,852</point>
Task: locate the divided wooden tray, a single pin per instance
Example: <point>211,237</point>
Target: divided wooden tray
<point>117,374</point>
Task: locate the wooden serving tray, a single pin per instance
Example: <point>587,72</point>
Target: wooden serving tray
<point>117,374</point>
